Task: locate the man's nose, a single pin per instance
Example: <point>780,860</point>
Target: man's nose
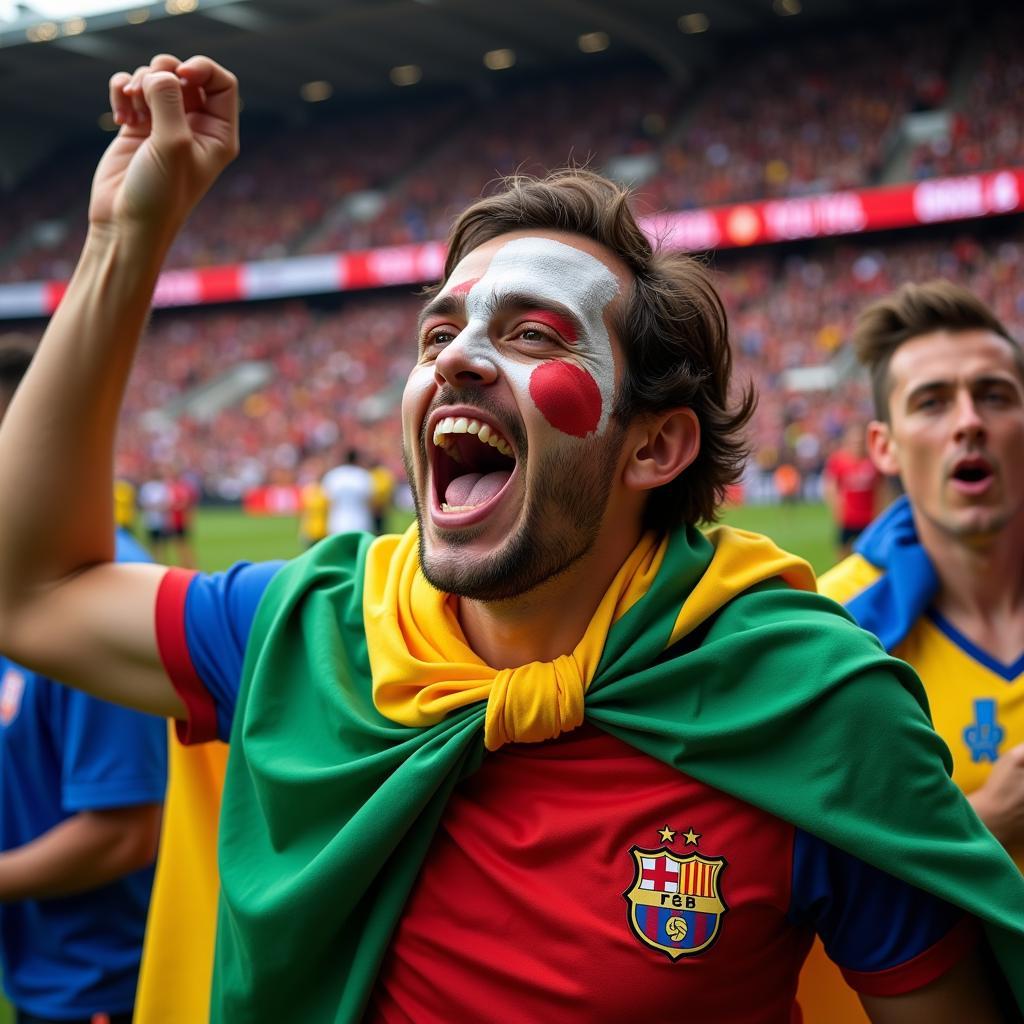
<point>967,424</point>
<point>467,360</point>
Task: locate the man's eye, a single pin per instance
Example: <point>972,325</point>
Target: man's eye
<point>534,336</point>
<point>439,336</point>
<point>995,396</point>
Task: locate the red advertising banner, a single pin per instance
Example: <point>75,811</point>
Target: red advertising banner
<point>842,213</point>
<point>763,222</point>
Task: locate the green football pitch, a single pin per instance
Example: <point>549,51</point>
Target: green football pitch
<point>225,536</point>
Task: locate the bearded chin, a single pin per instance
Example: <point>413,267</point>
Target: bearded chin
<point>560,524</point>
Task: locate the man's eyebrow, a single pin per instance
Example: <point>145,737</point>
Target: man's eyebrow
<point>987,379</point>
<point>443,305</point>
<point>945,384</point>
<point>938,384</point>
<point>523,300</point>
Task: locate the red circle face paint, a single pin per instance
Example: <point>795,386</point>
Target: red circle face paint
<point>567,396</point>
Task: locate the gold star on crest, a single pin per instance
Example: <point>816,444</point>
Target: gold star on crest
<point>692,838</point>
<point>667,834</point>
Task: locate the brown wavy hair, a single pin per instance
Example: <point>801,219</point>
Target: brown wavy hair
<point>911,311</point>
<point>672,326</point>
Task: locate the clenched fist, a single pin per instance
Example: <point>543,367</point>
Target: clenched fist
<point>179,129</point>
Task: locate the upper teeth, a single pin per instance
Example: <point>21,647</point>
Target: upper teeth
<point>463,425</point>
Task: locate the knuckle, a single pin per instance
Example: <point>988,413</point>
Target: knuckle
<point>161,83</point>
<point>176,144</point>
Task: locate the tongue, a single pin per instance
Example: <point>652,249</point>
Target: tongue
<point>475,488</point>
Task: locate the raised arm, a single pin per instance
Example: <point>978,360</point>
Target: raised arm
<point>65,608</point>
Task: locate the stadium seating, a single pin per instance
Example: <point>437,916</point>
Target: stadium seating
<point>814,113</point>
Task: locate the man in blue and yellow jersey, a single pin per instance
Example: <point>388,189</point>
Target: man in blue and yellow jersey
<point>938,576</point>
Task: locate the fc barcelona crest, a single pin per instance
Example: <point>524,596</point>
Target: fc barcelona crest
<point>675,903</point>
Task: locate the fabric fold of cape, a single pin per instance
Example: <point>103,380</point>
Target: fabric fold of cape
<point>768,692</point>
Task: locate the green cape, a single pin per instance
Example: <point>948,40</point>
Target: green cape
<point>329,808</point>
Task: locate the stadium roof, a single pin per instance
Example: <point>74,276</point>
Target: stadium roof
<point>56,55</point>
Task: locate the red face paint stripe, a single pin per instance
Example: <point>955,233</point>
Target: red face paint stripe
<point>466,286</point>
<point>562,324</point>
<point>567,396</point>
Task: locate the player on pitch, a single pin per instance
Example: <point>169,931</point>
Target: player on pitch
<point>554,753</point>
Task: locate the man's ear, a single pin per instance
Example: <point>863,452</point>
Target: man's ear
<point>882,448</point>
<point>662,445</point>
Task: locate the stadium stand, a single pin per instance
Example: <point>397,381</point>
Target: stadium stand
<point>800,115</point>
<point>987,123</point>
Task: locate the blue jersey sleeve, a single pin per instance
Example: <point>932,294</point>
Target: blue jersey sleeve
<point>203,625</point>
<point>872,924</point>
<point>110,756</point>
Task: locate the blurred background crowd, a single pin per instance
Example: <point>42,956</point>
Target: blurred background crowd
<point>821,112</point>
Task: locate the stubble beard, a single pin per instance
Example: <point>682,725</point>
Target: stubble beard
<point>978,530</point>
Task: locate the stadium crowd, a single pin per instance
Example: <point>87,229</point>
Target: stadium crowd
<point>817,113</point>
<point>986,129</point>
<point>337,370</point>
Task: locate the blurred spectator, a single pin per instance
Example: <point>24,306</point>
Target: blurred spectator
<point>383,495</point>
<point>852,488</point>
<point>350,492</point>
<point>181,501</point>
<point>154,501</point>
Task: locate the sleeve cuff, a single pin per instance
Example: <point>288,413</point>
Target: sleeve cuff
<point>922,969</point>
<point>200,725</point>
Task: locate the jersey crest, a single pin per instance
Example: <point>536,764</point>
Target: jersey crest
<point>675,902</point>
<point>12,686</point>
<point>984,734</point>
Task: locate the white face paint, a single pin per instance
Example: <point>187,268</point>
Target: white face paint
<point>574,393</point>
<point>518,332</point>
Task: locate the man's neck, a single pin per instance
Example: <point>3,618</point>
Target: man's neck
<point>981,587</point>
<point>549,620</point>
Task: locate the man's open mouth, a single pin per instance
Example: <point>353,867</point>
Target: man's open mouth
<point>972,474</point>
<point>471,463</point>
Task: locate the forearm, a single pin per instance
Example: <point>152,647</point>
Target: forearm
<point>56,442</point>
<point>83,852</point>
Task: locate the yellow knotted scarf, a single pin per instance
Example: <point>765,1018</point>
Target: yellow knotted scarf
<point>423,669</point>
